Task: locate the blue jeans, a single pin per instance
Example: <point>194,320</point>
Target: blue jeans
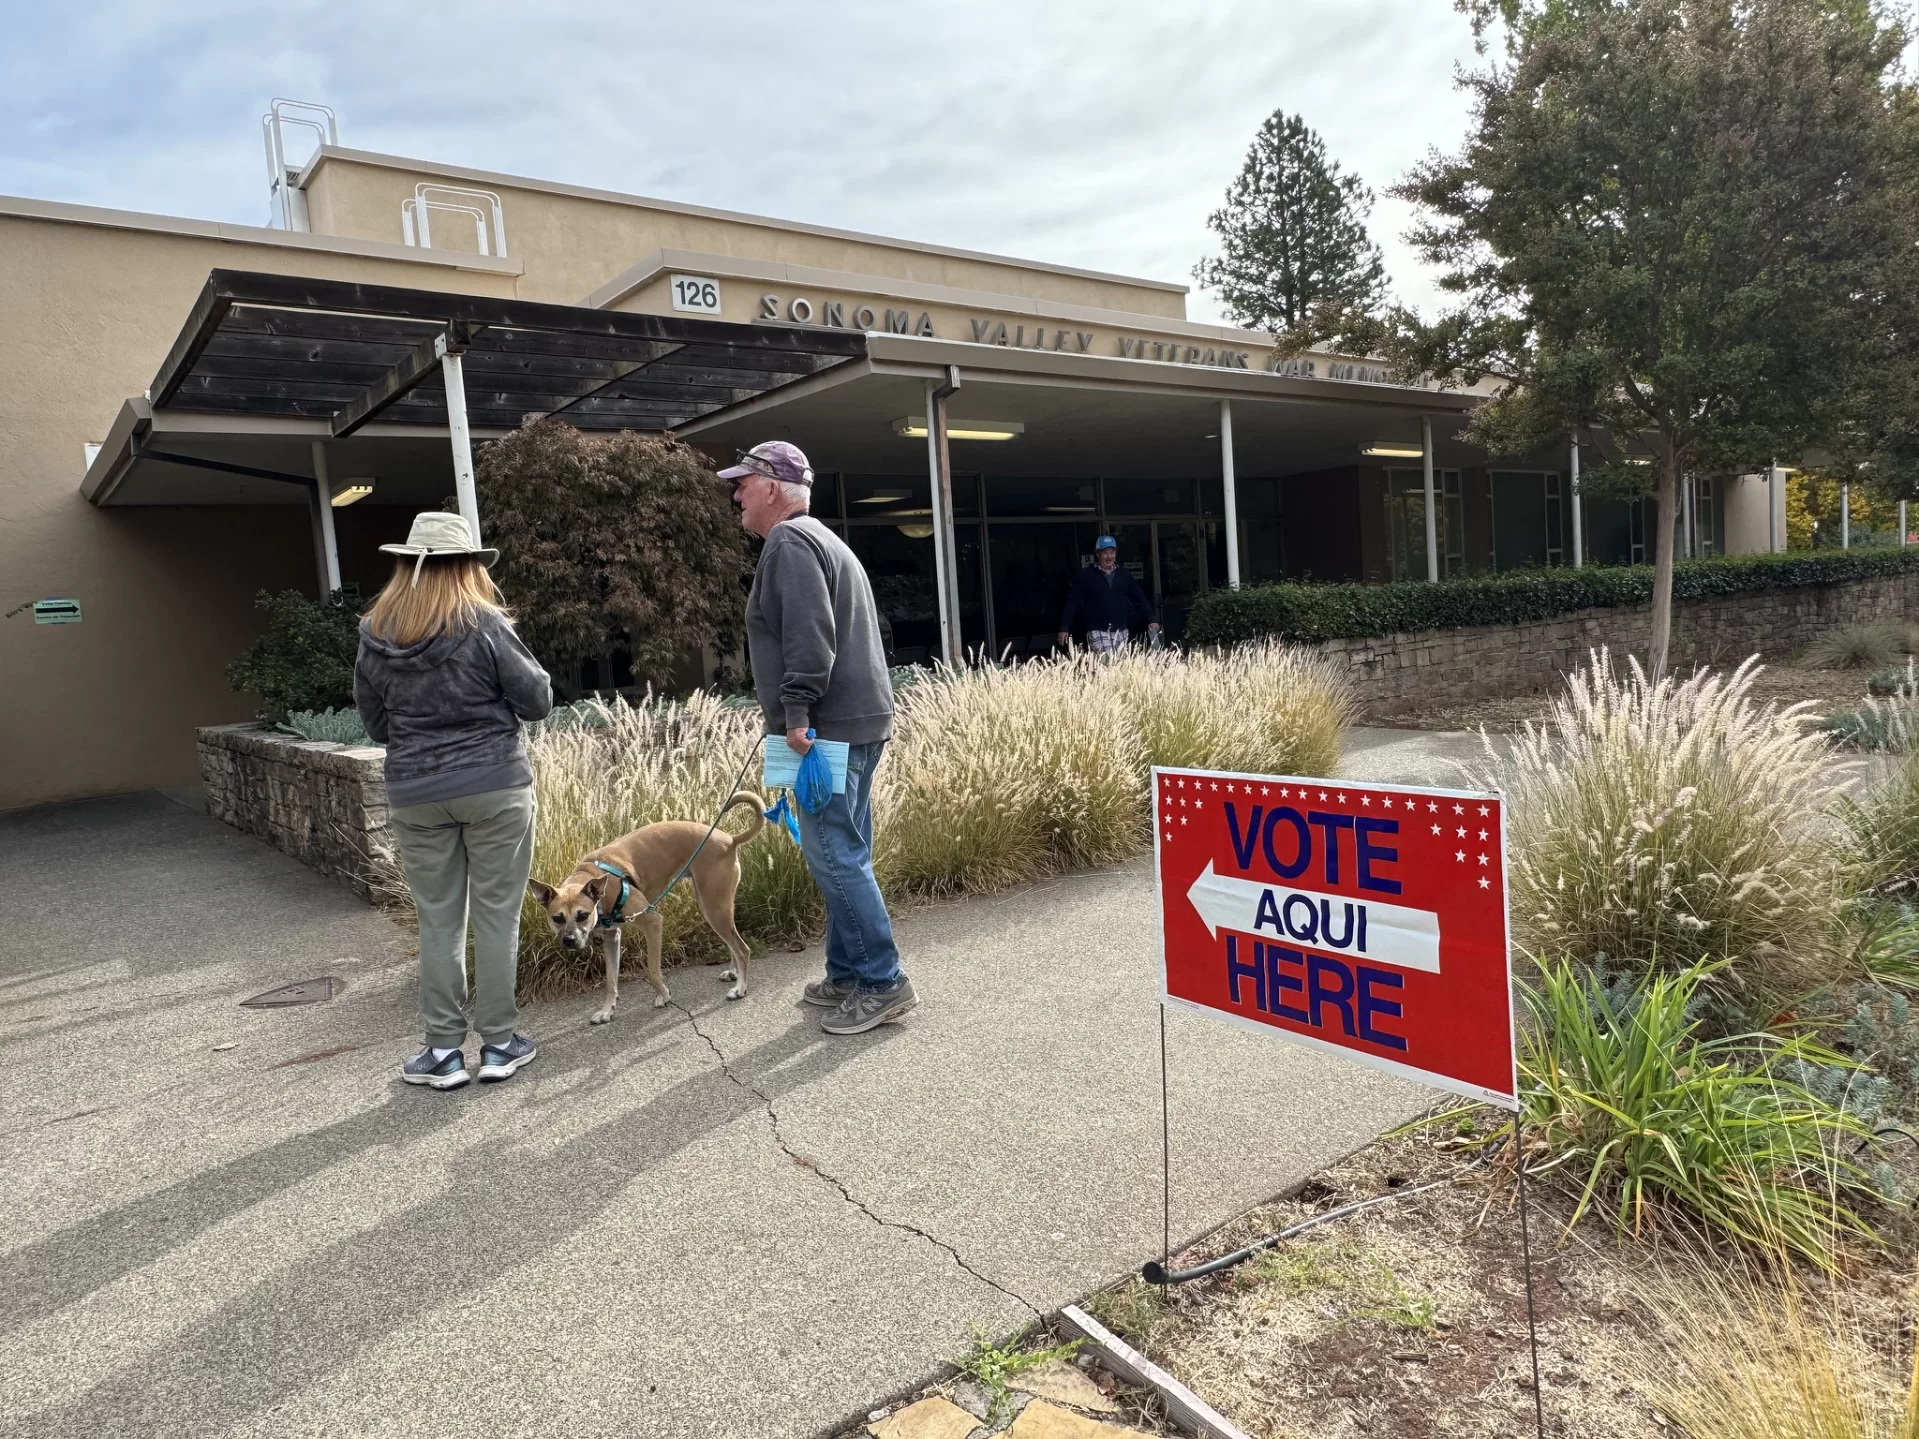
<point>838,845</point>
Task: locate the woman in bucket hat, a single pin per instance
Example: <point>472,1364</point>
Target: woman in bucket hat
<point>444,683</point>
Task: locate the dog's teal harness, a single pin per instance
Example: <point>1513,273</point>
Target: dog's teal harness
<point>616,916</point>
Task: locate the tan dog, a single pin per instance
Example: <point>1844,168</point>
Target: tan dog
<point>648,858</point>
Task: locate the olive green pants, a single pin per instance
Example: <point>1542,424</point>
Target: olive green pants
<point>468,856</point>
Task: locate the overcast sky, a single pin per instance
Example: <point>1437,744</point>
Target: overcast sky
<point>1086,132</point>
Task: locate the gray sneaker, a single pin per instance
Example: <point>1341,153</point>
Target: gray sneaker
<point>826,994</point>
<point>423,1068</point>
<point>866,1009</point>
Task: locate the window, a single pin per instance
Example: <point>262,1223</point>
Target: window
<point>1406,523</point>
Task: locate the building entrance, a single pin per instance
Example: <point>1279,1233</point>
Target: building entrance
<point>1020,543</point>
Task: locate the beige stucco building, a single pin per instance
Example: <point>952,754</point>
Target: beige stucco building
<point>1086,403</point>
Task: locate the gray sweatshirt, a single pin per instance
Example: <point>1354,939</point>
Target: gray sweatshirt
<point>448,709</point>
<point>813,636</point>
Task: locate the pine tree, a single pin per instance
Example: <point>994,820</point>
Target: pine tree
<point>1294,233</point>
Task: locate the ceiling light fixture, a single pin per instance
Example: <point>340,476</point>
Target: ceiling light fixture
<point>916,532</point>
<point>346,492</point>
<point>915,429</point>
<point>884,497</point>
<point>1394,452</point>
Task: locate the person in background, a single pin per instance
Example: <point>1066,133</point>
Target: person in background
<point>444,683</point>
<point>813,637</point>
<point>1107,600</point>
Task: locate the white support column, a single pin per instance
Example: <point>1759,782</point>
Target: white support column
<point>462,441</point>
<point>1579,524</point>
<point>323,519</point>
<point>949,619</point>
<point>1902,524</point>
<point>1775,507</point>
<point>1232,492</point>
<point>1845,514</point>
<point>1432,503</point>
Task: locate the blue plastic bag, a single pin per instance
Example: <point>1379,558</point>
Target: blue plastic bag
<point>813,787</point>
<point>781,816</point>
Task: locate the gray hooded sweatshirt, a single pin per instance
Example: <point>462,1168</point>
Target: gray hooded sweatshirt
<point>448,709</point>
<point>813,636</point>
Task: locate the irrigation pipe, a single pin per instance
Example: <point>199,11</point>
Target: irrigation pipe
<point>1154,1272</point>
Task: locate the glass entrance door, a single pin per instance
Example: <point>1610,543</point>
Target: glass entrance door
<point>1180,574</point>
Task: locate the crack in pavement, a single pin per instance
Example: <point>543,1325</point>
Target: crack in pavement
<point>812,1166</point>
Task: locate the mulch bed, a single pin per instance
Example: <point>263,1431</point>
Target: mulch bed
<point>1409,1319</point>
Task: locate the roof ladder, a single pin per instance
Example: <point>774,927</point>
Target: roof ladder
<point>416,225</point>
<point>287,202</point>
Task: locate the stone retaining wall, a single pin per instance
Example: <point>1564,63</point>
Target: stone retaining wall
<point>1401,672</point>
<point>323,803</point>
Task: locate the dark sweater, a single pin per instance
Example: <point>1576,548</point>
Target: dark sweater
<point>1102,603</point>
<point>813,636</point>
<point>448,709</point>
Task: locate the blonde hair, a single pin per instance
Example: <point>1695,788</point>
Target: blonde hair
<point>449,593</point>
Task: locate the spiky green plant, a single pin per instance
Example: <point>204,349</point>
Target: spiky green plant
<point>340,726</point>
<point>1649,1121</point>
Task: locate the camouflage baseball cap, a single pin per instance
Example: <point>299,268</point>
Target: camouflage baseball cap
<point>777,460</point>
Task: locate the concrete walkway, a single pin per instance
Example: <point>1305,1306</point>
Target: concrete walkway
<point>709,1221</point>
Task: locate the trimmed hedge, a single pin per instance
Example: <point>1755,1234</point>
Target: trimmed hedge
<point>1310,613</point>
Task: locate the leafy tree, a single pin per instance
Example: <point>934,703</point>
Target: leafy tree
<point>304,661</point>
<point>1682,228</point>
<point>1294,232</point>
<point>612,540</point>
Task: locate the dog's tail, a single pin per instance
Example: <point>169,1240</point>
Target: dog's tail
<point>755,804</point>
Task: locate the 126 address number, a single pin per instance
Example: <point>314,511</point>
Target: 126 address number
<point>690,292</point>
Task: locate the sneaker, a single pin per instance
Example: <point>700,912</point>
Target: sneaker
<point>866,1009</point>
<point>502,1061</point>
<point>826,994</point>
<point>448,1073</point>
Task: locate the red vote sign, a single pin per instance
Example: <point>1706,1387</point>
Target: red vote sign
<point>1363,918</point>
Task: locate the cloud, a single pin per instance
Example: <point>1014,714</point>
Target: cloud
<point>1092,134</point>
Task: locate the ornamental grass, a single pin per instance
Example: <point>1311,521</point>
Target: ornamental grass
<point>1784,1362</point>
<point>1672,822</point>
<point>995,776</point>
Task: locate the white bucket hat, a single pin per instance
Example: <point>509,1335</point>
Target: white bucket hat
<point>436,532</point>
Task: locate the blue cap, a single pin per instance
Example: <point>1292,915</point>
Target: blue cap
<point>1105,542</point>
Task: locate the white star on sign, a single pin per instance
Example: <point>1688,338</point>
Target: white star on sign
<point>1485,883</point>
<point>1458,854</point>
<point>1284,792</point>
<point>1182,819</point>
<point>1461,831</point>
<point>1459,809</point>
<point>1482,859</point>
<point>1322,794</point>
<point>1484,810</point>
<point>1482,836</point>
<point>1182,801</point>
<point>1265,789</point>
<point>1342,798</point>
<point>1435,829</point>
<point>1366,800</point>
<point>1199,804</point>
<point>1216,788</point>
<point>1432,806</point>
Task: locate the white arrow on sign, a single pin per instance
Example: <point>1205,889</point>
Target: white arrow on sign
<point>1382,933</point>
